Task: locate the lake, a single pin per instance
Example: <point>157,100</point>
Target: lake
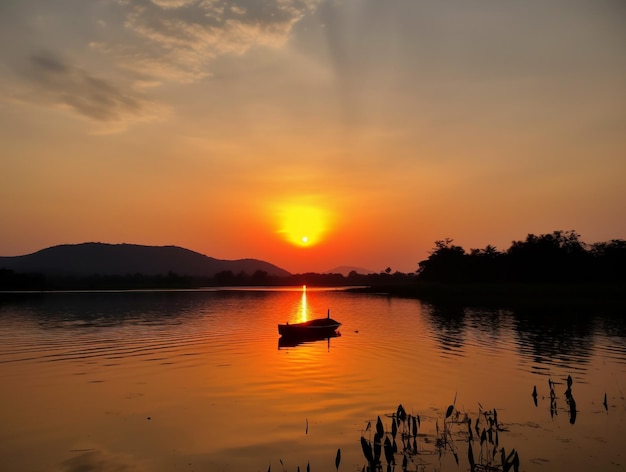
<point>197,381</point>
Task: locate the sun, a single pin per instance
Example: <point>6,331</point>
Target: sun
<point>303,225</point>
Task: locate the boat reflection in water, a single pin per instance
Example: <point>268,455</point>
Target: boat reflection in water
<point>294,341</point>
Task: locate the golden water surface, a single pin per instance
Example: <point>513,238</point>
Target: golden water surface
<point>197,381</point>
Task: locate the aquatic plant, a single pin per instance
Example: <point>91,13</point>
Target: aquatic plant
<point>404,442</point>
<point>569,399</point>
<point>409,443</point>
<point>416,446</point>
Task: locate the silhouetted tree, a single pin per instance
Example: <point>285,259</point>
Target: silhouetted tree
<point>609,260</point>
<point>446,263</point>
<point>260,277</point>
<point>11,280</point>
<point>486,265</point>
<point>556,257</point>
<point>225,277</point>
<point>241,278</point>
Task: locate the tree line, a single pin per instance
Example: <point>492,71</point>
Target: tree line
<point>559,257</point>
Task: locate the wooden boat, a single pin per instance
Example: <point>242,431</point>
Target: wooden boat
<point>317,328</point>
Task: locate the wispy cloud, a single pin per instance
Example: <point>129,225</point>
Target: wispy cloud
<point>117,53</point>
<point>178,39</point>
<point>48,79</point>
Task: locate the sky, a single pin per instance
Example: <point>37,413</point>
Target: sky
<point>309,133</point>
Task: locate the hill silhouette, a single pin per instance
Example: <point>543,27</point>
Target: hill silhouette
<point>120,259</point>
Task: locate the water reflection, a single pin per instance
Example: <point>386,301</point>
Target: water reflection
<point>300,310</point>
<point>188,360</point>
<point>449,327</point>
<point>303,306</point>
<point>543,337</point>
<point>108,309</point>
<point>294,341</point>
<point>555,338</point>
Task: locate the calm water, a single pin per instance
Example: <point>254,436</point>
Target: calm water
<point>197,381</point>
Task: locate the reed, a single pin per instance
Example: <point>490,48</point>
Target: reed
<point>411,441</point>
<point>404,441</point>
<point>407,443</point>
<point>569,399</point>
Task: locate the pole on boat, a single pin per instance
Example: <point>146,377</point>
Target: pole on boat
<point>328,314</point>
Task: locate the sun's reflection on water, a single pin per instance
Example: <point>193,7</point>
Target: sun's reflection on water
<point>303,316</point>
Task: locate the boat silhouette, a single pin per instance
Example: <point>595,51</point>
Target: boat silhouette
<point>316,328</point>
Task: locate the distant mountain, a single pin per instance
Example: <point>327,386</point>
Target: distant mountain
<point>122,259</point>
<point>345,270</point>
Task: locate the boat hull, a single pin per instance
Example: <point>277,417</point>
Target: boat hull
<point>319,328</point>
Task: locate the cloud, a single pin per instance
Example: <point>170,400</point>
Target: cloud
<point>49,80</point>
<point>178,39</point>
<point>115,55</point>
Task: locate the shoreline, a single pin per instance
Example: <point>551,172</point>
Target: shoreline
<point>507,294</point>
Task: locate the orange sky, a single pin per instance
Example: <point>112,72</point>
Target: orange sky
<point>391,125</point>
